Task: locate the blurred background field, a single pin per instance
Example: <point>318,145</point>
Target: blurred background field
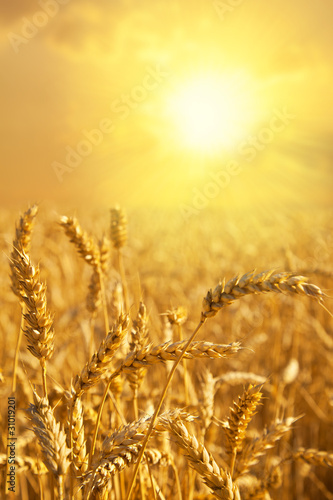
<point>171,263</point>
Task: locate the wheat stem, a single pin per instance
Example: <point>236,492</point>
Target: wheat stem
<point>17,349</point>
<point>159,405</point>
<point>121,269</point>
<point>103,298</point>
<point>61,488</point>
<point>175,471</point>
<point>43,365</point>
<point>232,462</point>
<point>98,421</point>
<point>180,337</point>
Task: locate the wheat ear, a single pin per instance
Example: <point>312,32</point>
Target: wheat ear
<point>240,416</point>
<point>84,244</point>
<point>52,439</point>
<point>21,242</point>
<point>96,256</point>
<point>150,355</point>
<point>139,339</point>
<point>226,293</point>
<point>177,317</point>
<point>219,481</point>
<point>121,449</point>
<point>206,403</point>
<point>39,322</point>
<point>118,235</point>
<point>313,456</point>
<point>252,452</point>
<point>102,359</point>
<point>80,456</point>
<point>98,366</point>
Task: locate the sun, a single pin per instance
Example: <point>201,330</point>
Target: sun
<point>212,112</point>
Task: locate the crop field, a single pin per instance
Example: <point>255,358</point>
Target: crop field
<point>144,356</point>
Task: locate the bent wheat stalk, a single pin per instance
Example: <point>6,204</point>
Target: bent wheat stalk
<point>121,449</point>
<point>150,355</point>
<point>224,294</point>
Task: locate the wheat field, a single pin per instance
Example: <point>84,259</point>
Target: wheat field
<point>144,356</point>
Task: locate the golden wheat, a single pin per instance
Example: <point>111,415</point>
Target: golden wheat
<point>90,438</point>
<point>219,481</point>
<point>101,360</point>
<point>239,286</point>
<point>51,438</point>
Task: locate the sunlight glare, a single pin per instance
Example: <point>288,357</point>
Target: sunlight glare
<point>210,112</point>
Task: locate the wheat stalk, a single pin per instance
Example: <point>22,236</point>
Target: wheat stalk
<point>51,438</point>
<point>121,449</point>
<point>39,331</point>
<point>139,339</point>
<point>80,457</point>
<point>95,296</point>
<point>150,355</point>
<point>240,416</point>
<point>118,235</point>
<point>96,256</point>
<point>85,245</point>
<point>102,359</point>
<point>21,243</point>
<point>177,317</point>
<point>225,294</point>
<point>97,367</point>
<point>219,481</point>
<point>118,227</point>
<point>206,403</point>
<point>39,322</point>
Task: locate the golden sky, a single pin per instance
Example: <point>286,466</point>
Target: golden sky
<point>164,102</point>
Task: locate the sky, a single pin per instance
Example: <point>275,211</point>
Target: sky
<point>166,103</point>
